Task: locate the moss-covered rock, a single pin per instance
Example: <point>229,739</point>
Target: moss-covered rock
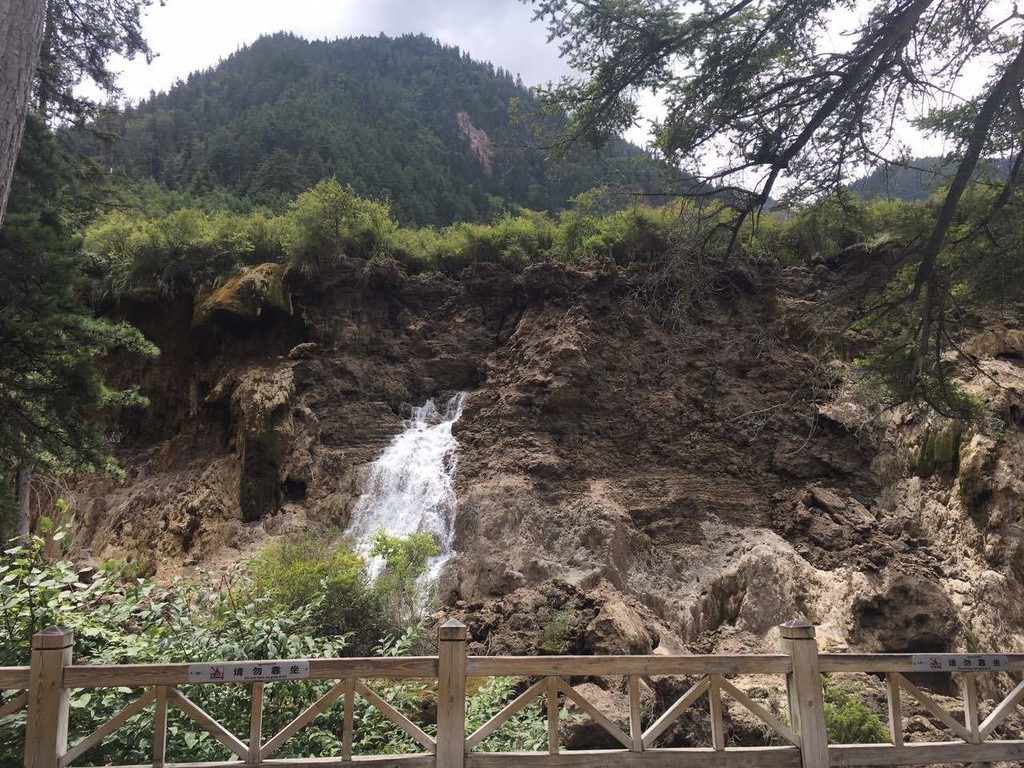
<point>939,451</point>
<point>246,296</point>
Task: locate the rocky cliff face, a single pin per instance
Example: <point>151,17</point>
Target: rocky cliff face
<point>626,484</point>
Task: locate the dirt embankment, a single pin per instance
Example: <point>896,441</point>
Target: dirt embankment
<point>625,483</point>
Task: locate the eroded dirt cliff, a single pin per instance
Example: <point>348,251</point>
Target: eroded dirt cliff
<point>627,482</point>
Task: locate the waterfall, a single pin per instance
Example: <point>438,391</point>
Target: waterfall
<point>410,488</point>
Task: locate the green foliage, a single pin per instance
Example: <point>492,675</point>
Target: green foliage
<point>848,720</point>
<point>184,248</point>
<point>326,581</point>
<point>983,257</point>
<point>49,343</point>
<point>189,247</point>
<point>825,227</point>
<point>405,562</point>
<point>559,632</point>
<point>119,620</point>
<point>80,37</point>
<point>380,114</point>
<point>525,731</point>
<point>329,222</point>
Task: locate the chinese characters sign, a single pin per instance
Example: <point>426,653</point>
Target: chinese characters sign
<point>248,671</point>
<point>959,662</point>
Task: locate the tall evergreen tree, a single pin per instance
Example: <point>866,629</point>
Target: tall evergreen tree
<point>50,389</point>
<point>21,29</point>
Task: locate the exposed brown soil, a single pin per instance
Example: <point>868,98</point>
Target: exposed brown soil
<point>626,484</point>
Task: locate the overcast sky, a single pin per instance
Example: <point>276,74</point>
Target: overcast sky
<point>192,35</point>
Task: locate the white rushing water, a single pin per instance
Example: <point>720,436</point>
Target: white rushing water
<point>410,488</point>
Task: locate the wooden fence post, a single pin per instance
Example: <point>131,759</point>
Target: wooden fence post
<point>451,695</point>
<point>806,697</point>
<point>46,728</point>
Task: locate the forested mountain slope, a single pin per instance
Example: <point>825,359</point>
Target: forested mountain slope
<point>918,180</point>
<point>407,120</point>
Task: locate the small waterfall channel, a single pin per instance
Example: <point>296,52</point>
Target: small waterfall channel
<point>410,488</point>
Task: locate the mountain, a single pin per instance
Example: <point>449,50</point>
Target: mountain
<point>407,120</point>
<point>919,179</point>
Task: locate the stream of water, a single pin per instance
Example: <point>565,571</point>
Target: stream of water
<point>410,488</point>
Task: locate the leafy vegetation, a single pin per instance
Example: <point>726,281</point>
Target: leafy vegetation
<point>297,594</point>
<point>401,580</point>
<point>49,387</point>
<point>848,720</point>
<point>188,248</point>
<point>327,583</point>
<point>380,114</point>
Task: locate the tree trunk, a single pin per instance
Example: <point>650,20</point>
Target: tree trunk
<point>1008,83</point>
<point>21,35</point>
<point>22,486</point>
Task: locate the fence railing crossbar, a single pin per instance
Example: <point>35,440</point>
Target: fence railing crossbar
<point>43,689</point>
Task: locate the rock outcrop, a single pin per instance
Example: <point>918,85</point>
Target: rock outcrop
<point>626,484</point>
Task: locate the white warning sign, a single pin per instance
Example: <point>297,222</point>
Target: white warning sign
<point>959,662</point>
<point>248,671</point>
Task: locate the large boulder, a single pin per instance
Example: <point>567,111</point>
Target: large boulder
<point>246,296</point>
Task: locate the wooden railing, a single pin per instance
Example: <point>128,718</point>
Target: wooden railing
<point>43,688</point>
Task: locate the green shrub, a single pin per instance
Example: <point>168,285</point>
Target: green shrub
<point>824,227</point>
<point>330,221</point>
<point>405,562</point>
<point>559,632</point>
<point>527,730</point>
<point>204,620</point>
<point>311,570</point>
<point>848,720</point>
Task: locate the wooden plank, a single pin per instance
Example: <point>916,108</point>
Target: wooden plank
<point>13,678</point>
<point>971,717</point>
<point>926,753</point>
<point>144,675</point>
<point>584,666</point>
<point>895,710</point>
<point>636,730</point>
<point>389,668</point>
<point>46,725</point>
<point>510,709</point>
<point>552,701</point>
<point>207,723</point>
<point>804,692</point>
<point>683,703</point>
<point>160,727</point>
<point>894,662</point>
<point>107,728</point>
<point>347,727</point>
<point>1000,713</point>
<point>760,712</point>
<point>303,719</point>
<point>377,761</point>
<point>13,704</point>
<point>597,716</point>
<point>928,703</point>
<point>256,724</point>
<point>717,722</point>
<point>396,717</point>
<point>731,757</point>
<point>451,694</point>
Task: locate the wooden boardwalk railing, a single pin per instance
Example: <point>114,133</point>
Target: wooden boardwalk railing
<point>43,689</point>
